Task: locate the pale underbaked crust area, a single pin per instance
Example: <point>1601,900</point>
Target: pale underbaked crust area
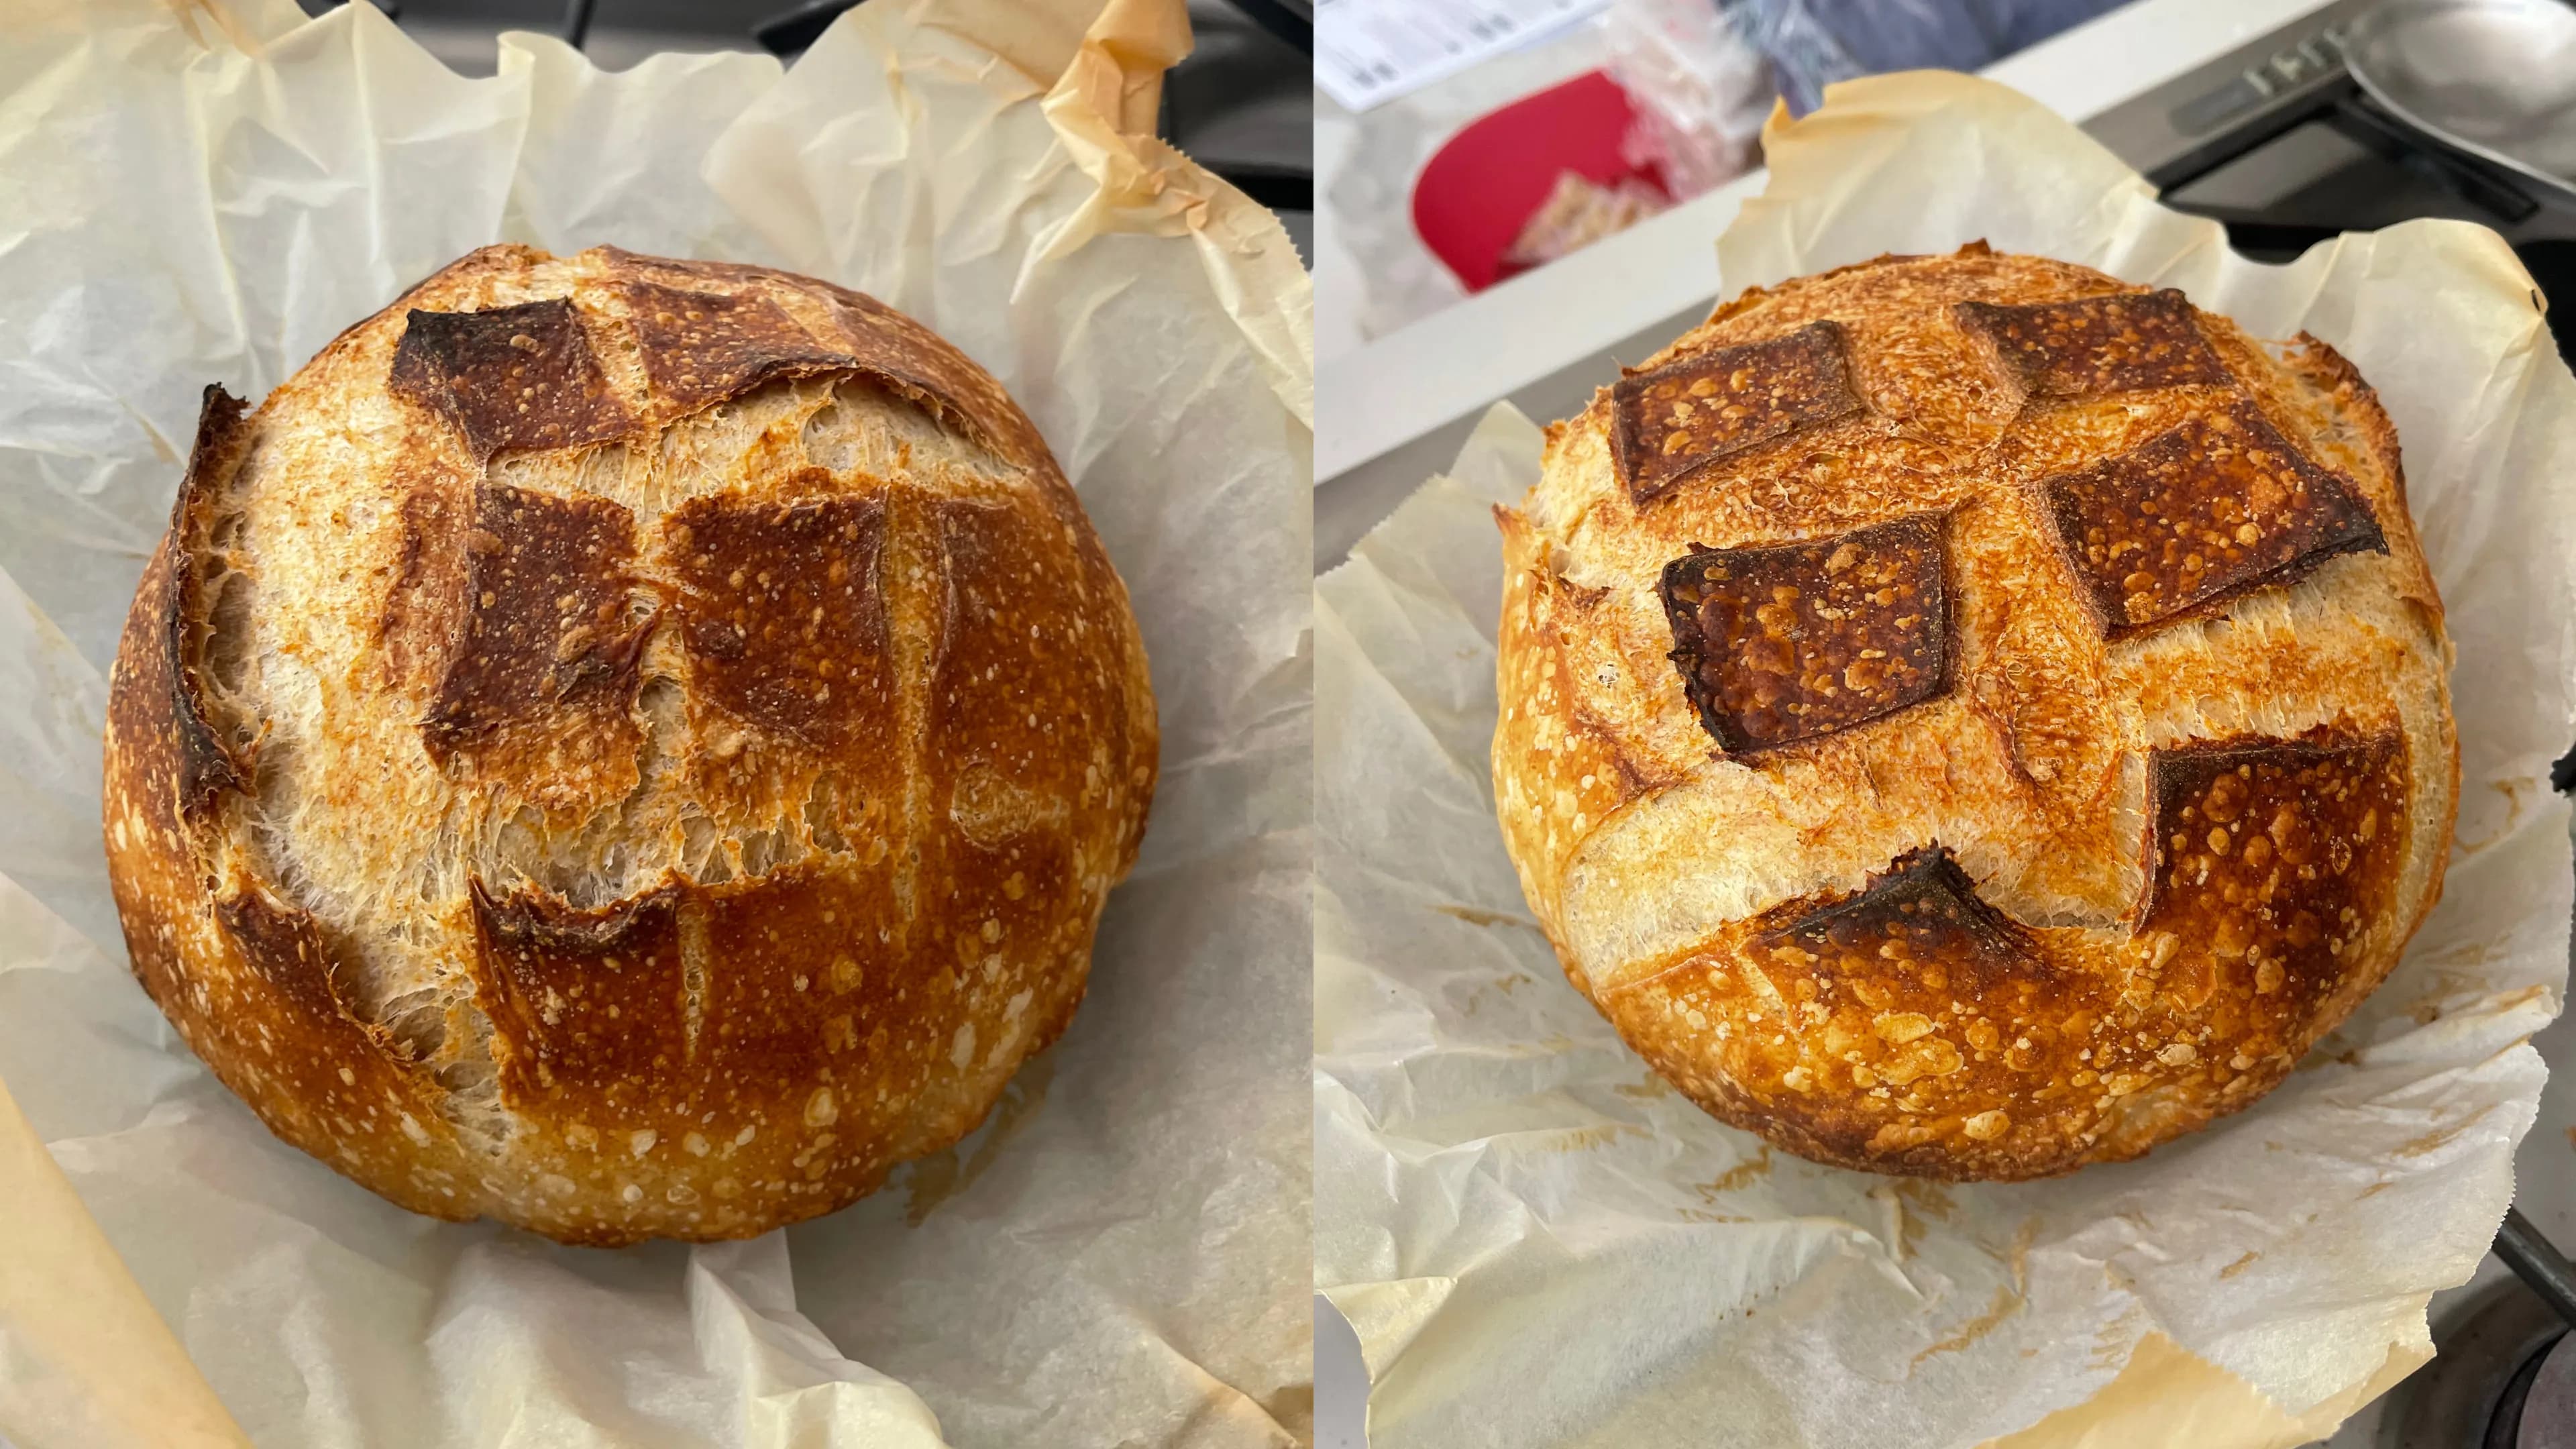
<point>2124,771</point>
<point>628,747</point>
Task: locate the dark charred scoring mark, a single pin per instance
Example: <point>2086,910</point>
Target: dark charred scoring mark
<point>589,1006</point>
<point>2217,507</point>
<point>602,1011</point>
<point>1787,642</point>
<point>423,601</point>
<point>2269,860</point>
<point>511,378</point>
<point>923,366</point>
<point>1914,1012</point>
<point>2124,342</point>
<point>869,337</point>
<point>286,948</point>
<point>1921,917</point>
<point>705,347</point>
<point>1688,414</point>
<point>207,764</point>
<point>782,610</point>
<point>546,629</point>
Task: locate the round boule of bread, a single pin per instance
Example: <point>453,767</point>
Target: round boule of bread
<point>629,747</point>
<point>1969,717</point>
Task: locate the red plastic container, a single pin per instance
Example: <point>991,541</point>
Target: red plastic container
<point>1482,188</point>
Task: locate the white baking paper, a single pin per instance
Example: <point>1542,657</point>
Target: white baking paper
<point>1541,1244</point>
<point>192,193</point>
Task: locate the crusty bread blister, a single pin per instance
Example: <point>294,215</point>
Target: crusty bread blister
<point>627,746</point>
<point>1970,717</point>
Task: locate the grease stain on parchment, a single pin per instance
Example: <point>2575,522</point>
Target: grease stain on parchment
<point>2513,791</point>
<point>1584,1139</point>
<point>1904,1230</point>
<point>2114,1341</point>
<point>2007,1303</point>
<point>1475,917</point>
<point>2008,1300</point>
<point>1926,1197</point>
<point>1654,1088</point>
<point>2436,1139</point>
<point>1293,1409</point>
<point>1504,984</point>
<point>1912,1204</point>
<point>1741,1175</point>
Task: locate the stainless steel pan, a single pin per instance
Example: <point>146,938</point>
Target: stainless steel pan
<point>2494,79</point>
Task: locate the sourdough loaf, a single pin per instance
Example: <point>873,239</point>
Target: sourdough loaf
<point>624,746</point>
<point>1965,716</point>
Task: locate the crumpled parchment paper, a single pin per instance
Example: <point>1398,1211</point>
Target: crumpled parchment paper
<point>193,193</point>
<point>1541,1244</point>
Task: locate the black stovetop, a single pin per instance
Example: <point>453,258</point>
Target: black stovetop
<point>2277,141</point>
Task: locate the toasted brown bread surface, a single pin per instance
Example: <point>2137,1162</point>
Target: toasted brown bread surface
<point>629,747</point>
<point>1969,717</point>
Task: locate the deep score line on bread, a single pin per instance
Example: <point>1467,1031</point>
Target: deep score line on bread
<point>625,746</point>
<point>1969,717</point>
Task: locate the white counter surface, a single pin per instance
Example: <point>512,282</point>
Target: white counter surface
<point>1375,395</point>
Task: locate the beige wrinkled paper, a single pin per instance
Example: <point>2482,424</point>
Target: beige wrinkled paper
<point>193,192</point>
<point>1540,1244</point>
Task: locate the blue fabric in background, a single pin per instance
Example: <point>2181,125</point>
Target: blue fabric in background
<point>1813,43</point>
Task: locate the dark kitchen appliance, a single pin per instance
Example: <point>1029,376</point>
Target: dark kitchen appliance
<point>2281,143</point>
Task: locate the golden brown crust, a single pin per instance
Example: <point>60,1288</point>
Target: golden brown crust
<point>207,763</point>
<point>630,747</point>
<point>1921,924</point>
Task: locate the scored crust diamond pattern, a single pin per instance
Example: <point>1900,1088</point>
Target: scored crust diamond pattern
<point>704,347</point>
<point>1678,419</point>
<point>2209,510</point>
<point>510,378</point>
<point>548,635</point>
<point>1922,914</point>
<point>2124,342</point>
<point>2256,842</point>
<point>2259,849</point>
<point>782,611</point>
<point>1966,614</point>
<point>1784,643</point>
